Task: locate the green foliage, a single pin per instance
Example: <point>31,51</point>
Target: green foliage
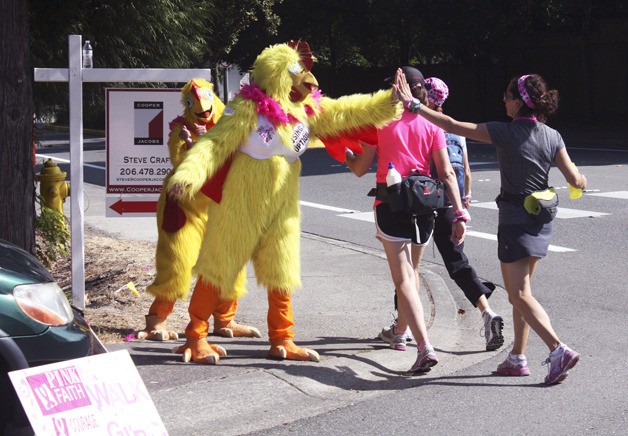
<point>243,28</point>
<point>138,34</point>
<point>382,33</point>
<point>124,34</point>
<point>343,34</point>
<point>53,236</point>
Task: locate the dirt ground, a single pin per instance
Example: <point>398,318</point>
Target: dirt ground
<point>112,309</point>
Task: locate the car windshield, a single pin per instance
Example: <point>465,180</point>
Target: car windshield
<point>17,260</point>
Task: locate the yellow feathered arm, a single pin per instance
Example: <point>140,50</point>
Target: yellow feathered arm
<point>355,112</point>
<point>345,120</point>
<point>215,147</point>
<point>177,147</point>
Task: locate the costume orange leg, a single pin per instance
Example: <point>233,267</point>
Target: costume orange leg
<point>280,329</point>
<point>156,322</point>
<point>225,325</point>
<point>202,305</point>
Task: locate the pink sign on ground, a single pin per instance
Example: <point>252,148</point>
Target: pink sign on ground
<point>95,395</point>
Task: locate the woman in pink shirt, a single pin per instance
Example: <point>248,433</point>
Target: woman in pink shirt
<point>409,143</point>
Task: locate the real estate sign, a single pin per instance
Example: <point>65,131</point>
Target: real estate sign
<point>137,150</point>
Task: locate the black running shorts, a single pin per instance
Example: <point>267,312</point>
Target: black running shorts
<point>402,227</point>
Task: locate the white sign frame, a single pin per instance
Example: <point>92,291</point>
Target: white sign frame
<point>75,75</point>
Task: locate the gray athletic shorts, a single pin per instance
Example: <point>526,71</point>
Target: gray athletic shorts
<point>519,235</point>
<point>517,241</point>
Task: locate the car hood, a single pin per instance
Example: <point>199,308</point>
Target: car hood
<point>17,266</point>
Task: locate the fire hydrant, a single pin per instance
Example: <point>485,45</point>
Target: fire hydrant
<point>53,187</point>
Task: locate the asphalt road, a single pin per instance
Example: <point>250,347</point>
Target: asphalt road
<point>582,290</point>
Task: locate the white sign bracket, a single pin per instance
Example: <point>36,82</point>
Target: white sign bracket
<point>75,75</point>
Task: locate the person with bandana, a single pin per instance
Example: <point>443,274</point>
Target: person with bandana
<point>456,262</point>
<point>409,143</point>
<point>526,149</point>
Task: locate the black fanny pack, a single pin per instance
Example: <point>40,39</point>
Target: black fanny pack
<point>542,205</point>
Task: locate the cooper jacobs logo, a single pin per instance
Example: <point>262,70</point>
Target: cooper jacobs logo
<point>149,122</point>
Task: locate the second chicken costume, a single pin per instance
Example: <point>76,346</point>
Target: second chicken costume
<point>264,130</point>
<point>181,225</point>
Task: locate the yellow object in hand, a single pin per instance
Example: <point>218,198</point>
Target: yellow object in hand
<point>574,193</point>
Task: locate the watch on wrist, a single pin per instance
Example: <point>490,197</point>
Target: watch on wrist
<point>414,105</point>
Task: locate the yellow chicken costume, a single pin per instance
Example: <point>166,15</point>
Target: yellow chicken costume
<point>181,226</point>
<point>263,131</point>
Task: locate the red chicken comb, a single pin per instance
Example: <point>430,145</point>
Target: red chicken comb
<point>196,91</point>
<point>304,51</point>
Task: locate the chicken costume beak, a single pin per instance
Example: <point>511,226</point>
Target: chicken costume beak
<point>203,104</point>
<point>303,84</point>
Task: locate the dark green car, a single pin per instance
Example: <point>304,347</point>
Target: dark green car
<point>37,325</point>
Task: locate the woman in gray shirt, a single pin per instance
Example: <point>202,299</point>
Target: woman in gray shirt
<point>526,148</point>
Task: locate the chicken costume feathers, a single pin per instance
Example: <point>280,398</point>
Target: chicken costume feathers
<point>263,132</point>
<point>181,225</point>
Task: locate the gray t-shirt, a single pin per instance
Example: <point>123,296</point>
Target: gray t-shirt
<point>525,151</point>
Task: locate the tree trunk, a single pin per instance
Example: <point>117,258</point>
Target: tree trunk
<point>17,187</point>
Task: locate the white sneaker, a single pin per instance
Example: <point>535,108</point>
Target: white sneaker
<point>397,341</point>
<point>493,327</point>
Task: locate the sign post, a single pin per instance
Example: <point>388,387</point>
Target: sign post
<point>75,75</point>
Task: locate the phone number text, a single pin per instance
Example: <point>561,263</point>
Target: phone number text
<point>144,171</point>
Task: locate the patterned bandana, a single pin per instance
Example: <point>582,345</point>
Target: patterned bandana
<point>521,87</point>
<point>437,90</point>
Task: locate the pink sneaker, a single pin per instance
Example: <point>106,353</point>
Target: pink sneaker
<point>565,359</point>
<point>397,341</point>
<point>425,360</point>
<point>513,367</point>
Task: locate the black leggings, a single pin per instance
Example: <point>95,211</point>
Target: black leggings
<point>456,261</point>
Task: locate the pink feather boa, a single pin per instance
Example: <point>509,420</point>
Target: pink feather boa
<point>269,107</point>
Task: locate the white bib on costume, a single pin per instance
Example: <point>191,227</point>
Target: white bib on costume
<point>264,142</point>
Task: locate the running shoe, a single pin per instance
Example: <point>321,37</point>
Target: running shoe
<point>425,360</point>
<point>559,365</point>
<point>493,327</point>
<point>397,341</point>
<point>513,367</point>
<point>388,332</point>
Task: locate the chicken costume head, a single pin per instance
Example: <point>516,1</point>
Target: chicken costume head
<point>284,72</point>
<point>263,132</point>
<point>202,110</point>
<point>201,105</point>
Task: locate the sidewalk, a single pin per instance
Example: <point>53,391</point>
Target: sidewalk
<point>347,297</point>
